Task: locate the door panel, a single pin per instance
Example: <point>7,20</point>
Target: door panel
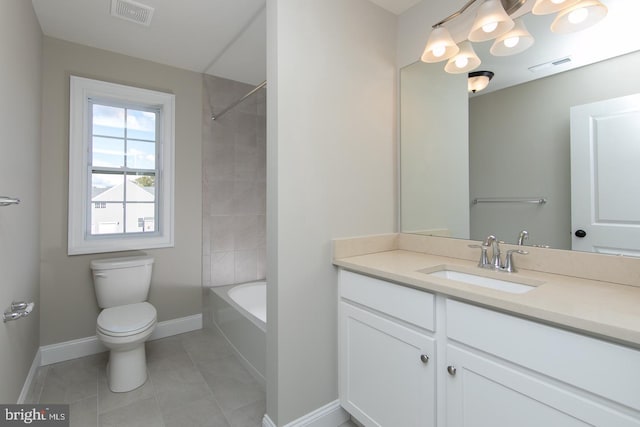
<point>383,381</point>
<point>485,393</point>
<point>605,176</point>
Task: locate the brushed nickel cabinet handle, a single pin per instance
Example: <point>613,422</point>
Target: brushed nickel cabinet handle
<point>451,370</point>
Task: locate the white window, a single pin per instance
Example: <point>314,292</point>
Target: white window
<point>121,151</point>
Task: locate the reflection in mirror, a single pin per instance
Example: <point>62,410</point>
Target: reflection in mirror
<point>517,146</point>
<point>434,152</point>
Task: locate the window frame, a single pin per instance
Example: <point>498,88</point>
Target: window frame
<point>80,241</point>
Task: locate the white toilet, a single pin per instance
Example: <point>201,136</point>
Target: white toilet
<point>127,320</point>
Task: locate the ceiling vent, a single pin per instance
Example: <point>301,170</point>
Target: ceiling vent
<point>550,64</point>
<point>132,11</point>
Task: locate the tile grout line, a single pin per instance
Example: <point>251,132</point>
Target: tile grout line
<point>195,365</point>
<point>44,381</point>
<point>155,395</point>
<point>97,396</point>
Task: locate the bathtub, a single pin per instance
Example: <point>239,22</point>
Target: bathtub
<point>239,312</point>
<point>253,298</point>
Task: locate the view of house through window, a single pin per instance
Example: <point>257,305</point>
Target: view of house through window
<point>124,166</point>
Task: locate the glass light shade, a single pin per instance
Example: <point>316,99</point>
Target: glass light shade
<point>479,80</point>
<point>581,15</point>
<point>491,21</point>
<point>464,61</point>
<point>545,7</point>
<point>515,41</point>
<point>440,46</point>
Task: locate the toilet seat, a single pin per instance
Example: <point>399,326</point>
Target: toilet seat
<point>126,320</point>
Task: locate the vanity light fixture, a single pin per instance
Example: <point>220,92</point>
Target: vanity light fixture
<point>479,80</point>
<point>545,7</point>
<point>493,21</point>
<point>515,41</point>
<point>464,61</point>
<point>581,15</point>
<point>440,46</point>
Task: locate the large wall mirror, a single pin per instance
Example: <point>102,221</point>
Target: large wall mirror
<point>509,146</point>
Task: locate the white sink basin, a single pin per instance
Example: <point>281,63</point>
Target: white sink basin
<point>514,287</point>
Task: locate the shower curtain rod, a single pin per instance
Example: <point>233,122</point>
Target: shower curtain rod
<point>230,107</point>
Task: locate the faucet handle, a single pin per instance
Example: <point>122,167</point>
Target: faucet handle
<point>518,251</point>
<point>484,259</point>
<point>508,263</point>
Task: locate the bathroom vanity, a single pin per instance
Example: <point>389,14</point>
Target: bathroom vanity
<point>417,349</point>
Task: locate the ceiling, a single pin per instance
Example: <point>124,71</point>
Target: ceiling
<point>396,6</point>
<point>220,37</point>
<point>226,38</point>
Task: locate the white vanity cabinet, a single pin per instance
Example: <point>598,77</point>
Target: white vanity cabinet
<point>504,371</point>
<point>386,354</point>
<point>492,370</point>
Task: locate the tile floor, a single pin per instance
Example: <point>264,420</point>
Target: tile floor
<point>195,379</point>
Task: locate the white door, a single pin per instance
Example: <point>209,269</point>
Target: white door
<point>387,371</point>
<point>605,176</point>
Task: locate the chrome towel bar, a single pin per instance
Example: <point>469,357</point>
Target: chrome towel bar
<point>6,201</point>
<point>531,200</point>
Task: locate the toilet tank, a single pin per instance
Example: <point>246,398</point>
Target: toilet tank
<point>120,281</point>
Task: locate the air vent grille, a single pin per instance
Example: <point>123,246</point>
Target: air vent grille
<point>550,64</point>
<point>132,11</point>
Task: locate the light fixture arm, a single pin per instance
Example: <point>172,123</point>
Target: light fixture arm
<point>509,5</point>
<point>455,14</point>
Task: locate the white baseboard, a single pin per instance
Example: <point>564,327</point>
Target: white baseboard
<point>266,421</point>
<point>177,326</point>
<point>330,415</point>
<point>68,350</point>
<point>73,349</point>
<point>30,376</point>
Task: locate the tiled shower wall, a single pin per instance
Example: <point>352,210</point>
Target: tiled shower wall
<point>234,184</point>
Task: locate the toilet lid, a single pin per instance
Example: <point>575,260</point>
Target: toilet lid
<point>126,319</point>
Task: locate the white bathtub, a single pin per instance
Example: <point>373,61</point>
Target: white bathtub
<point>252,297</point>
<point>240,313</point>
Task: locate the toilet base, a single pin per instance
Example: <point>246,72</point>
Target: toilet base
<point>127,370</point>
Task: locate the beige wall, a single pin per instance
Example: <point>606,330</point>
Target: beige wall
<point>519,146</point>
<point>331,173</point>
<point>70,309</point>
<point>20,54</point>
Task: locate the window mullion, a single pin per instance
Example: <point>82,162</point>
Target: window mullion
<point>126,166</point>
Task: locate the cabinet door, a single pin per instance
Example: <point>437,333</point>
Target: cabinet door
<point>485,393</point>
<point>385,378</point>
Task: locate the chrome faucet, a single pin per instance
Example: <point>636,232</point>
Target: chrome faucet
<point>508,261</point>
<point>493,241</point>
<point>524,235</point>
<point>495,263</point>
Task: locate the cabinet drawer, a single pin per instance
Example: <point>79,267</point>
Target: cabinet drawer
<point>597,366</point>
<point>410,305</point>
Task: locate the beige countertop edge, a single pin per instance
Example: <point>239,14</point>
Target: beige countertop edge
<point>568,302</point>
